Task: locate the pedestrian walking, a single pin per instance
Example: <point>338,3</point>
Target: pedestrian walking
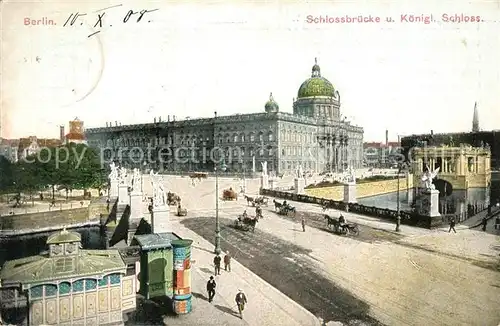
<point>217,260</point>
<point>211,288</point>
<point>241,300</point>
<point>452,225</point>
<point>484,223</point>
<point>227,262</point>
<point>303,225</point>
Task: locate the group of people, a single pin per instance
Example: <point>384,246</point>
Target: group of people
<point>258,213</point>
<point>240,298</point>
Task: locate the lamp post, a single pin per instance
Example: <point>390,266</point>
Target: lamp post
<point>398,209</point>
<point>223,167</point>
<point>217,249</point>
<point>143,171</point>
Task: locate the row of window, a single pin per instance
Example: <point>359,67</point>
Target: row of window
<point>49,290</point>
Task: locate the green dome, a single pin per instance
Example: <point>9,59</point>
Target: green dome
<point>316,85</point>
<point>271,105</point>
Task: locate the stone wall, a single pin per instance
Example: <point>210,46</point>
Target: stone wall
<point>53,218</point>
<point>367,189</point>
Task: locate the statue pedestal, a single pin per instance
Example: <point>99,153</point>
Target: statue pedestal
<point>429,207</point>
<point>136,205</point>
<point>300,184</point>
<point>160,219</point>
<point>264,181</point>
<point>113,188</point>
<point>123,198</point>
<point>350,193</point>
<point>271,183</point>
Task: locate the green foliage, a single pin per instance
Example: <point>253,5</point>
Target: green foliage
<point>6,178</point>
<point>323,184</point>
<point>376,178</point>
<point>72,166</point>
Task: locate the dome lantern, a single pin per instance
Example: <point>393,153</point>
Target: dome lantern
<point>316,70</point>
<point>271,105</point>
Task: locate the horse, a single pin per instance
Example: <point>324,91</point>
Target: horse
<point>249,200</point>
<point>261,200</point>
<point>277,205</point>
<point>250,222</point>
<point>330,221</point>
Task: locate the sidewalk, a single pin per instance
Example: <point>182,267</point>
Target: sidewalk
<point>266,305</point>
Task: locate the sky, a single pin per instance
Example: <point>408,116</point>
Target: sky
<point>190,60</point>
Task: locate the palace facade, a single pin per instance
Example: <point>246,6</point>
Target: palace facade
<point>315,136</point>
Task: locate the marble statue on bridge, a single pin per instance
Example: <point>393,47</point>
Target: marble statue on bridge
<point>351,175</point>
<point>300,171</point>
<point>264,167</point>
<point>122,175</point>
<point>427,178</point>
<point>113,176</point>
<point>136,180</point>
<point>159,195</point>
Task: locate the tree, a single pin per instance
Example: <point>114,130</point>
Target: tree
<point>71,166</point>
<point>6,170</point>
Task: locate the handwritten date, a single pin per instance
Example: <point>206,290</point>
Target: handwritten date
<point>98,17</point>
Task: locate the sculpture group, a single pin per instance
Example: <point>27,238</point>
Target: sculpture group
<point>159,194</point>
<point>427,178</point>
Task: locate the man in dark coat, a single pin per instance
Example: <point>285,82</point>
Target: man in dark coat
<point>452,225</point>
<point>217,260</point>
<point>227,262</point>
<point>484,223</point>
<point>303,225</point>
<point>241,300</point>
<point>211,288</point>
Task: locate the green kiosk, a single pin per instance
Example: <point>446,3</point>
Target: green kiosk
<point>166,269</point>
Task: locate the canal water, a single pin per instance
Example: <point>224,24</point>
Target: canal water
<point>457,202</point>
<point>31,245</point>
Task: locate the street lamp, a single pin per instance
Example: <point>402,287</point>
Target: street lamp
<point>143,171</point>
<point>217,225</point>
<point>398,210</point>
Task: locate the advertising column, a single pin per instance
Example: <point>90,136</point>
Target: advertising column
<point>182,276</point>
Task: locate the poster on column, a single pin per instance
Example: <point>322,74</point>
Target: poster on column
<point>179,265</point>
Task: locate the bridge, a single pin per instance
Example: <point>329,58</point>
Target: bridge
<point>51,221</point>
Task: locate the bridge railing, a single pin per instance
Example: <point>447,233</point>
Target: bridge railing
<point>407,218</point>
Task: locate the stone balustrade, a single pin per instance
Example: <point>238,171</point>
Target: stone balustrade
<point>366,189</point>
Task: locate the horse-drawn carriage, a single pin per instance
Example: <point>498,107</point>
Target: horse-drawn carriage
<point>198,175</point>
<point>284,208</point>
<point>246,223</point>
<point>260,201</point>
<point>173,199</point>
<point>340,227</point>
<point>229,194</point>
<point>181,211</point>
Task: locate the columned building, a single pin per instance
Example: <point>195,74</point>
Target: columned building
<point>315,136</point>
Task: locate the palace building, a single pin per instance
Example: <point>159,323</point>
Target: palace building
<point>315,136</point>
